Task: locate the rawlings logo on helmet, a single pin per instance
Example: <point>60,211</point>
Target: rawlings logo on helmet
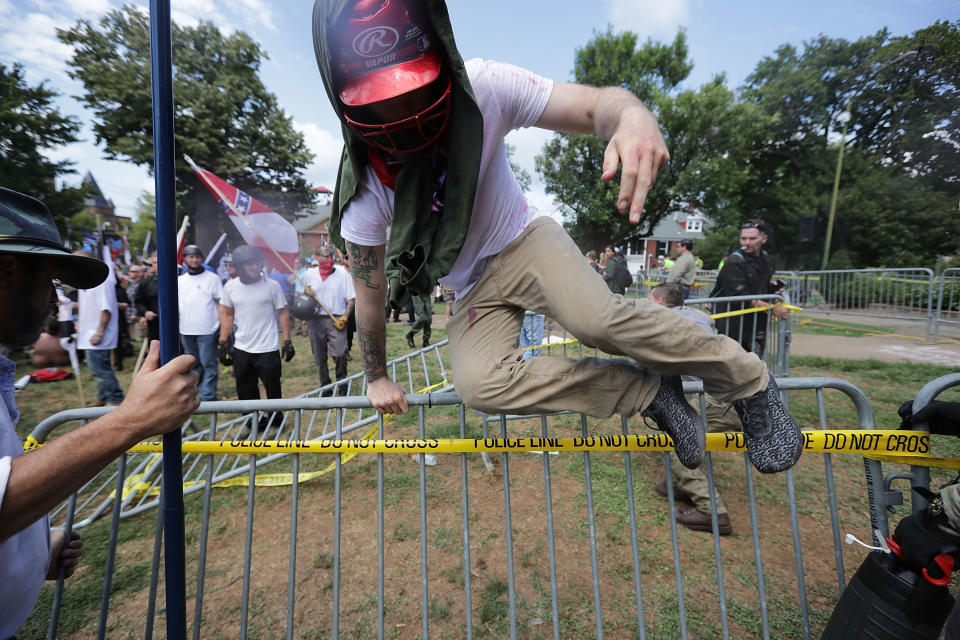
<point>376,41</point>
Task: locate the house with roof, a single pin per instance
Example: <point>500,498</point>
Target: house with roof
<point>311,225</point>
<point>644,253</point>
<point>102,207</point>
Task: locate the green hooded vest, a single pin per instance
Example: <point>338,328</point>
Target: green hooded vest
<point>423,244</point>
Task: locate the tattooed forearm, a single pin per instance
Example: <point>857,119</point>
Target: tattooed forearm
<point>374,354</point>
<point>363,266</point>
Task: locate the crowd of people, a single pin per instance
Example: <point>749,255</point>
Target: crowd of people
<point>425,167</point>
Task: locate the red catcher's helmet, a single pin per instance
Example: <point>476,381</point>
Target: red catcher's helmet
<point>386,52</point>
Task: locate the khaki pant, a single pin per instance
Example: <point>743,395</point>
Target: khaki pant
<point>720,417</point>
<point>544,271</point>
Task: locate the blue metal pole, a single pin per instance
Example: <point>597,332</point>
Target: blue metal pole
<point>161,64</point>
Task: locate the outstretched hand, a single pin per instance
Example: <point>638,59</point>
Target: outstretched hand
<point>638,145</point>
<point>161,398</point>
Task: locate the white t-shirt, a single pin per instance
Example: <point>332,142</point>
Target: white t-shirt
<point>90,302</point>
<point>334,292</point>
<point>254,306</point>
<point>24,556</point>
<point>509,98</point>
<point>198,295</point>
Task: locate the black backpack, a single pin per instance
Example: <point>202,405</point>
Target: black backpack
<point>622,277</point>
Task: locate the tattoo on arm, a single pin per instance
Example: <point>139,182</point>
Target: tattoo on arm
<point>362,267</point>
<point>374,354</point>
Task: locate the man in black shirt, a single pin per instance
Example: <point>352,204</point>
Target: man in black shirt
<point>748,271</point>
<point>147,299</point>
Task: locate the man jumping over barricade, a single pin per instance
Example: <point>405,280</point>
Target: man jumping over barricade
<point>425,157</point>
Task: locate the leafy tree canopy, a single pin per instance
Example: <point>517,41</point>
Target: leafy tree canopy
<point>770,149</point>
<point>900,180</point>
<point>145,219</point>
<point>225,119</point>
<point>708,132</point>
<point>30,128</point>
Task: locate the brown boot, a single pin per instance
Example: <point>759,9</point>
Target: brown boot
<point>699,521</point>
<point>678,494</point>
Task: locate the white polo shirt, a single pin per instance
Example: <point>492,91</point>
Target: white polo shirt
<point>334,292</point>
<point>90,302</point>
<point>254,312</point>
<point>198,295</point>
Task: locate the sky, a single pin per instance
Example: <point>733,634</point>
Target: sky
<point>724,37</point>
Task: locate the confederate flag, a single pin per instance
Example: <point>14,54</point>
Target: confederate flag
<point>260,226</point>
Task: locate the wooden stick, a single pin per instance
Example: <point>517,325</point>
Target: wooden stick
<point>142,356</point>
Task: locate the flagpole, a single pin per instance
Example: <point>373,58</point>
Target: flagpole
<point>216,246</point>
<point>249,224</point>
<point>164,164</point>
<point>180,236</point>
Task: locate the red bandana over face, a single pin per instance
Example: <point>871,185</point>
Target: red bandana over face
<point>325,267</point>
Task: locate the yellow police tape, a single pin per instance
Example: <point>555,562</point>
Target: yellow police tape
<point>740,312</point>
<point>922,461</point>
<point>909,444</point>
<point>136,483</point>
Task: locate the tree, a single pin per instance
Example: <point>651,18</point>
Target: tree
<point>225,118</point>
<point>901,146</point>
<point>145,220</point>
<point>708,132</point>
<point>31,127</point>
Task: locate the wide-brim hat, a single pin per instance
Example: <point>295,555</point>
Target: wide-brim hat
<point>26,227</point>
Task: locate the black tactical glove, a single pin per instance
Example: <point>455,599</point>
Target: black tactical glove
<point>942,418</point>
<point>225,353</point>
<point>287,351</point>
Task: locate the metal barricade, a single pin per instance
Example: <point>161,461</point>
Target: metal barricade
<point>948,300</point>
<point>426,368</point>
<point>380,545</point>
<point>769,335</point>
<point>888,293</point>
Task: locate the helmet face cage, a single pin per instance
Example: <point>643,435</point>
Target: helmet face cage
<point>408,134</point>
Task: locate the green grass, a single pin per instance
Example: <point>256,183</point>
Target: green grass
<point>824,327</point>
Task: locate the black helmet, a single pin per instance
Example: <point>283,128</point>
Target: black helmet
<point>303,307</point>
<point>246,253</point>
<point>192,250</point>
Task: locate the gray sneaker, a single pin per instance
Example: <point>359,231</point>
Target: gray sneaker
<point>774,441</point>
<point>675,417</point>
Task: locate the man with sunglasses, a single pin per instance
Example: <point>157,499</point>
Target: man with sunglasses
<point>31,484</point>
<point>748,271</point>
<point>424,157</point>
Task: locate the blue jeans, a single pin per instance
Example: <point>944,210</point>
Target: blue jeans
<point>108,389</point>
<point>204,349</point>
<point>531,333</point>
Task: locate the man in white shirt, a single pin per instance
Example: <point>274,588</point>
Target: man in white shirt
<point>31,484</point>
<point>199,290</point>
<point>254,303</point>
<point>97,331</point>
<point>425,157</point>
<point>328,335</point>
